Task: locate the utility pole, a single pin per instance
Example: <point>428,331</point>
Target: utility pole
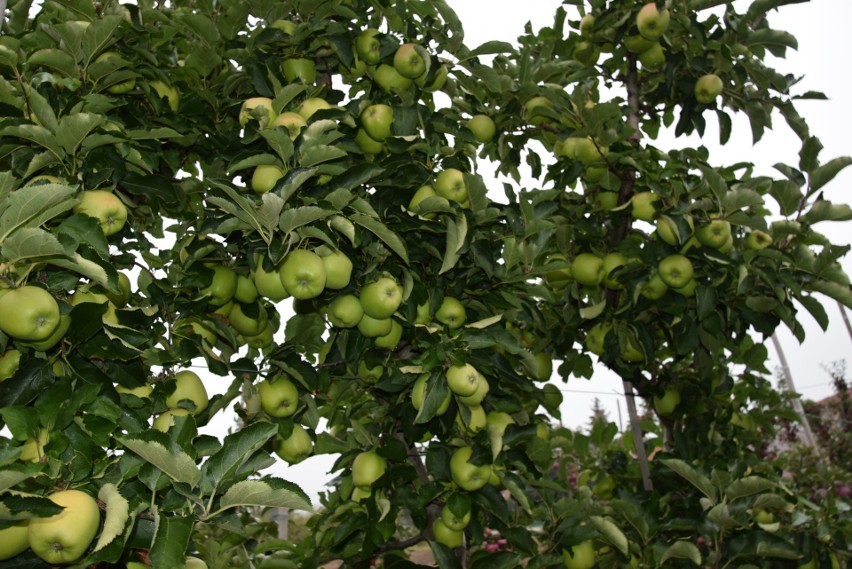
<point>787,381</point>
<point>845,318</point>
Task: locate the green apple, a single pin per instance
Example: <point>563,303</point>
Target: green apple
<point>439,79</point>
<point>596,338</point>
<point>121,87</point>
<point>451,184</point>
<point>299,69</point>
<point>359,494</point>
<point>637,44</point>
<point>714,234</point>
<point>651,22</point>
<point>88,295</point>
<point>122,297</point>
<point>390,340</point>
<point>586,24</point>
<point>688,289</point>
<point>295,448</point>
<point>293,122</point>
<point>381,298</point>
<point>539,365</point>
<point>166,419</point>
<point>245,291</point>
<point>587,151</point>
<point>63,538</point>
<point>33,448</point>
<point>168,92</point>
<point>478,396</point>
<point>286,26</point>
<point>374,327</point>
<point>222,285</point>
<point>418,396</point>
<point>606,201</point>
<point>668,231</point>
<point>367,144</point>
<point>265,338</point>
<point>408,61</point>
<point>654,288</point>
<point>303,274</point>
<point>142,391</point>
<point>389,79</point>
<point>377,121</point>
<point>580,556</point>
<point>268,284</point>
<point>345,311</point>
<point>453,521</point>
<point>586,52</point>
<point>498,422</point>
<point>642,206</point>
<point>612,261</point>
<point>104,206</point>
<point>368,46</point>
<point>707,88</point>
<point>14,539</point>
<point>451,312</point>
<point>421,194</point>
<point>194,563</point>
<point>654,57</point>
<point>370,374</point>
<point>477,421</point>
<point>757,240</point>
<point>259,108</point>
<point>675,270</point>
<point>9,362</point>
<point>188,386</point>
<point>537,110</point>
<point>368,467</point>
<point>28,313</point>
<point>309,106</point>
<point>279,397</point>
<point>338,268</point>
<point>666,404</point>
<point>482,127</point>
<point>265,176</point>
<point>446,536</point>
<point>468,476</point>
<point>557,278</point>
<point>245,323</point>
<point>463,379</point>
<point>587,269</point>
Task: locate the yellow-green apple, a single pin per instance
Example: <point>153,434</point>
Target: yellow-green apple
<point>475,399</point>
<point>374,327</point>
<point>14,539</point>
<point>421,194</point>
<point>389,79</point>
<point>444,535</point>
<point>642,205</point>
<point>707,88</point>
<point>654,57</point>
<point>309,106</point>
<point>418,396</point>
<point>223,285</point>
<point>168,92</point>
<point>537,110</point>
<point>268,283</point>
<point>757,240</point>
<point>463,379</point>
<point>368,467</point>
<point>451,184</point>
<point>104,206</point>
<point>293,122</point>
<point>476,422</point>
<point>259,108</point>
<point>299,69</point>
<point>666,404</point>
<point>675,270</point>
<point>63,538</point>
<point>279,397</point>
<point>587,151</point>
<point>265,176</point>
<point>188,386</point>
<point>9,362</point>
<point>121,87</point>
<point>466,475</point>
<point>246,322</point>
<point>28,313</point>
<point>122,297</point>
<point>586,52</point>
<point>637,43</point>
<point>580,556</point>
<point>88,295</point>
<point>539,365</point>
<point>454,521</point>
<point>587,269</point>
<point>587,22</point>
<point>377,121</point>
<point>651,22</point>
<point>359,494</point>
<point>668,231</point>
<point>438,79</point>
<point>194,563</point>
<point>367,144</point>
<point>338,268</point>
<point>482,127</point>
<point>688,289</point>
<point>166,419</point>
<point>33,448</point>
<point>368,46</point>
<point>245,291</point>
<point>611,261</point>
<point>654,288</point>
<point>714,234</point>
<point>141,391</point>
<point>557,278</point>
<point>451,312</point>
<point>408,61</point>
<point>345,311</point>
<point>370,374</point>
<point>286,26</point>
<point>295,448</point>
<point>303,274</point>
<point>390,340</point>
<point>381,298</point>
<point>596,337</point>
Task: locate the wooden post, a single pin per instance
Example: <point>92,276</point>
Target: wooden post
<point>787,382</point>
<point>638,437</point>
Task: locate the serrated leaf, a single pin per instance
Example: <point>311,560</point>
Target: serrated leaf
<point>485,322</point>
<point>42,109</point>
<point>593,311</point>
<point>721,516</point>
<point>837,291</point>
<point>32,206</point>
<point>98,34</point>
<point>788,194</point>
<point>83,266</point>
<point>381,231</point>
<point>31,243</point>
<point>456,235</point>
<point>74,128</point>
<point>292,219</point>
<point>269,212</point>
<point>748,486</point>
<point>55,59</point>
<point>634,516</point>
<point>269,491</point>
<point>491,47</point>
<point>828,171</point>
<point>171,540</point>
<point>177,465</point>
<point>692,476</point>
<point>13,474</point>
<point>740,199</point>
<point>236,449</point>
<point>824,210</point>
<point>318,154</point>
<point>611,532</point>
<point>37,134</point>
<point>682,550</point>
<point>117,515</point>
<point>279,141</point>
<point>153,133</point>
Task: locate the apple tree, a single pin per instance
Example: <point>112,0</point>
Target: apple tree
<point>295,190</point>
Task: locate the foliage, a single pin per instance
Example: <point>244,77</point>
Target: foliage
<point>172,109</point>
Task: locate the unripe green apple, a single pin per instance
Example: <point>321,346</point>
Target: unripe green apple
<point>338,268</point>
<point>463,379</point>
<point>303,274</point>
<point>368,46</point>
<point>381,298</point>
<point>295,448</point>
<point>446,536</point>
<point>666,404</point>
<point>676,271</point>
<point>389,79</point>
<point>188,386</point>
<point>368,467</point>
<point>757,240</point>
<point>259,108</point>
<point>370,374</point>
<point>451,312</point>
<point>279,397</point>
<point>299,69</point>
<point>166,419</point>
<point>714,234</point>
<point>611,262</point>
<point>587,269</point>
<point>418,396</point>
<point>586,24</point>
<point>246,323</point>
<point>293,122</point>
<point>451,184</point>
<point>651,22</point>
<point>64,537</point>
<point>408,61</point>
<point>245,291</point>
<point>14,539</point>
<point>390,340</point>
<point>104,206</point>
<point>309,106</point>
<point>367,144</point>
<point>268,284</point>
<point>580,556</point>
<point>637,44</point>
<point>654,288</point>
<point>466,475</point>
<point>377,121</point>
<point>454,522</point>
<point>9,362</point>
<point>707,88</point>
<point>265,177</point>
<point>537,110</point>
<point>194,563</point>
<point>28,313</point>
<point>374,327</point>
<point>474,400</point>
<point>596,337</point>
<point>654,57</point>
<point>642,206</point>
<point>222,287</point>
<point>345,311</point>
<point>482,127</point>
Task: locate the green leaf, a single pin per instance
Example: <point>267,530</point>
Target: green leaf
<point>692,476</point>
<point>748,486</point>
<point>634,515</point>
<point>827,172</point>
<point>682,550</point>
<point>74,128</point>
<point>721,516</point>
<point>178,465</point>
<point>236,449</point>
<point>171,540</point>
<point>55,59</point>
<point>318,154</point>
<point>83,266</point>
<point>292,219</point>
<point>824,210</point>
<point>41,108</point>
<point>117,515</point>
<point>32,206</point>
<point>837,291</point>
<point>456,235</point>
<point>37,134</point>
<point>381,231</point>
<point>740,199</point>
<point>31,243</point>
<point>13,474</point>
<point>279,141</point>
<point>270,492</point>
<point>153,133</point>
<point>490,47</point>
<point>611,533</point>
<point>8,57</point>
<point>269,212</point>
<point>788,194</point>
<point>98,35</point>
